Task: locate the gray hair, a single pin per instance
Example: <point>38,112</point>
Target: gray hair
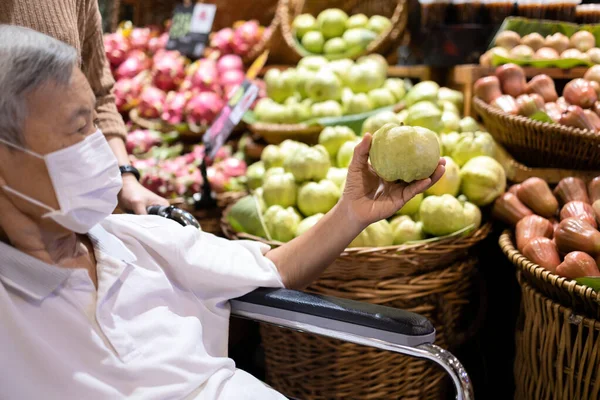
<point>28,59</point>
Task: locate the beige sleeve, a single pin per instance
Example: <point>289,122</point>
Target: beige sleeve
<point>96,68</point>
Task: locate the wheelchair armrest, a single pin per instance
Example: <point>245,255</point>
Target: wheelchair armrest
<point>298,310</point>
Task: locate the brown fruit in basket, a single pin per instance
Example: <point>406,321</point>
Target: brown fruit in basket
<point>595,85</point>
<point>487,88</point>
<point>530,227</point>
<point>512,79</point>
<point>508,39</point>
<point>539,100</point>
<point>555,224</point>
<point>580,210</point>
<point>544,86</point>
<point>575,118</point>
<point>526,105</point>
<point>509,209</point>
<point>576,235</point>
<point>546,53</point>
<point>593,118</point>
<point>543,252</point>
<point>578,264</point>
<point>507,104</point>
<point>558,42</point>
<point>596,208</point>
<point>594,189</point>
<point>571,189</point>
<point>533,40</point>
<point>562,104</point>
<point>581,93</point>
<point>553,111</point>
<point>514,189</point>
<point>536,194</point>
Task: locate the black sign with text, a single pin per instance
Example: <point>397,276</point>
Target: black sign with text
<point>190,29</point>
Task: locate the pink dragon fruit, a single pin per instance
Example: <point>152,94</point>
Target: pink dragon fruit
<point>174,107</point>
<point>159,181</point>
<point>142,164</point>
<point>127,91</point>
<point>218,180</point>
<point>158,43</point>
<point>246,36</point>
<point>189,183</point>
<point>203,108</point>
<point>221,40</point>
<point>223,153</point>
<point>136,62</point>
<point>141,141</point>
<point>229,62</point>
<point>232,167</point>
<point>139,38</point>
<point>232,78</point>
<point>152,101</point>
<point>169,71</point>
<point>204,76</point>
<point>116,47</point>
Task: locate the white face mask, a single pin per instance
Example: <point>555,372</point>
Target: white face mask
<point>86,180</point>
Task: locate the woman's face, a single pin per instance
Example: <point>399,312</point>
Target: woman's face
<point>58,116</point>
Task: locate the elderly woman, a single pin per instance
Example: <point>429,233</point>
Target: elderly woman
<point>101,306</point>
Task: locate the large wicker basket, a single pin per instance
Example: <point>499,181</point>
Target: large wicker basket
<point>540,144</point>
<point>396,10</point>
<point>581,299</point>
<point>435,279</point>
<point>557,350</point>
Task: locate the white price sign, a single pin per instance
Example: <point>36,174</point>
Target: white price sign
<point>203,17</point>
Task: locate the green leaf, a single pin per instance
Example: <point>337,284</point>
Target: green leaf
<point>354,121</point>
<point>542,117</point>
<point>564,63</point>
<point>591,281</point>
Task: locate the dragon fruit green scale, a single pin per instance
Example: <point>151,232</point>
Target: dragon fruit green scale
<point>404,153</point>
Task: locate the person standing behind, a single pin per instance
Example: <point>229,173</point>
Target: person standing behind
<point>79,24</point>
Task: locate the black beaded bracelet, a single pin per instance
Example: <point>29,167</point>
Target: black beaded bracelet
<point>128,169</point>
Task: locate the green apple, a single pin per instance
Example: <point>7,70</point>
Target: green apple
<point>357,21</point>
<point>382,97</point>
<point>396,86</point>
<point>296,112</point>
<point>313,63</point>
<point>332,22</point>
<point>280,84</point>
<point>379,24</point>
<point>324,86</point>
<point>313,41</point>
<point>341,67</point>
<point>303,76</point>
<point>358,38</point>
<point>377,61</point>
<point>335,46</point>
<point>304,23</point>
<point>362,78</point>
<point>356,104</point>
<point>329,108</point>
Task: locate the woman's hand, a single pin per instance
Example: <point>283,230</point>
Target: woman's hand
<point>134,197</point>
<point>368,198</point>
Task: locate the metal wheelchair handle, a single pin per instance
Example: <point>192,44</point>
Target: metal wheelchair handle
<point>178,215</point>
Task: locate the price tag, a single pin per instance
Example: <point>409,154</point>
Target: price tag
<point>240,101</point>
<point>190,28</point>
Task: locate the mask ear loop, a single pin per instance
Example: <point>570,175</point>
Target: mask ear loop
<point>19,194</point>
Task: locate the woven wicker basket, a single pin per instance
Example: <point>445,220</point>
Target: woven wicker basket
<point>311,367</point>
<point>581,299</point>
<point>396,10</point>
<point>517,172</point>
<point>557,350</point>
<point>540,144</point>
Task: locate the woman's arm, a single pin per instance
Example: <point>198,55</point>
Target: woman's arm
<point>366,199</point>
<point>133,197</point>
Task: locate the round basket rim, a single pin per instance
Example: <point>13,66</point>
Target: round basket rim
<point>484,108</point>
<point>480,233</point>
<point>398,20</point>
<point>532,269</point>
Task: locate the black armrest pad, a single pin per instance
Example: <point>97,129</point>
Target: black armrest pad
<point>354,312</point>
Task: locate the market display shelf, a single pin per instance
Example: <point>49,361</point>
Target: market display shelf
<point>463,77</point>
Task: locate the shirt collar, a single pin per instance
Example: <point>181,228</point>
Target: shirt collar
<point>38,279</point>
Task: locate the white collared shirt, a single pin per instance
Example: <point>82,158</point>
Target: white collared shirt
<point>156,327</point>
